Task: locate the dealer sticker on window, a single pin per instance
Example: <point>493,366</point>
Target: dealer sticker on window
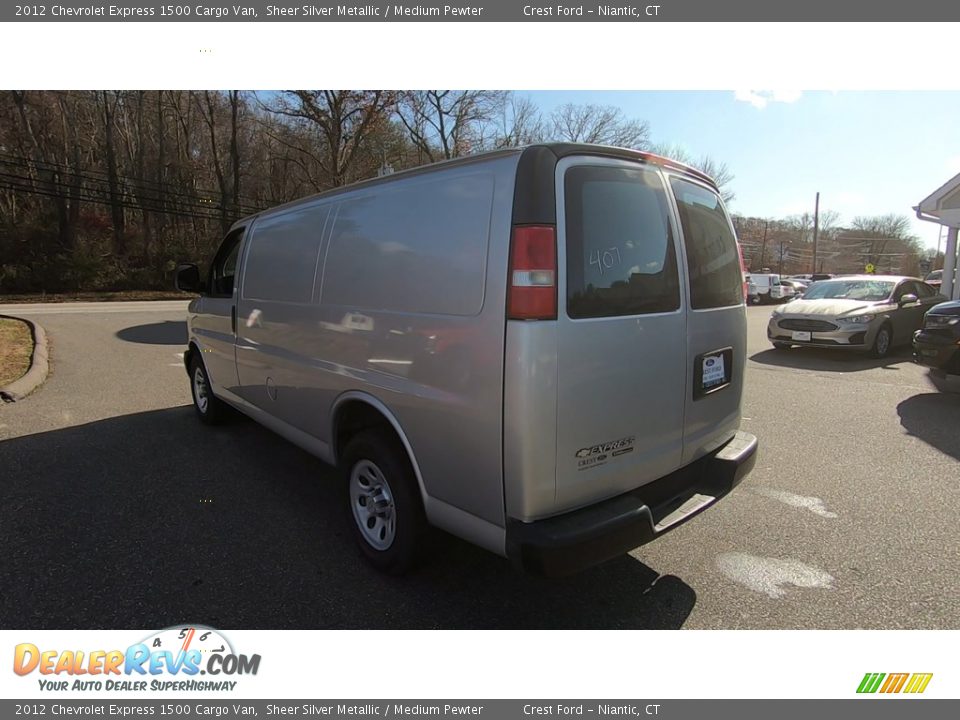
<point>713,373</point>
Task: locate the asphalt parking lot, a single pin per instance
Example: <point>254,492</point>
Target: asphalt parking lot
<point>118,509</point>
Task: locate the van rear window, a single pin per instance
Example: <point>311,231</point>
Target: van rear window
<point>713,263</point>
<point>620,254</point>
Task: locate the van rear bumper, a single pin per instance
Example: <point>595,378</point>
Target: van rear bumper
<point>577,540</point>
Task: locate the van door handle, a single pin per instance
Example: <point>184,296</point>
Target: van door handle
<point>233,319</point>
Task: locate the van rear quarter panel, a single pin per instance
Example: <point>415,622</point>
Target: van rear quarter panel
<point>438,369</point>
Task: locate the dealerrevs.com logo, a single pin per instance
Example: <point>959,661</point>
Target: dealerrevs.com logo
<point>172,660</point>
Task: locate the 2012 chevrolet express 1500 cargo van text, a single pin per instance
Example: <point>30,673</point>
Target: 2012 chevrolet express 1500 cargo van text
<point>540,350</point>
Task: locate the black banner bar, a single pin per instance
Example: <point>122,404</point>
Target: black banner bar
<point>485,11</point>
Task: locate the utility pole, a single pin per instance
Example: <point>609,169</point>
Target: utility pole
<point>933,265</point>
<point>763,247</point>
<point>816,228</point>
<point>780,267</point>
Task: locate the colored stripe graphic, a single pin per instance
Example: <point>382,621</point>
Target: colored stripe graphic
<point>894,683</point>
<point>918,682</point>
<point>870,682</point>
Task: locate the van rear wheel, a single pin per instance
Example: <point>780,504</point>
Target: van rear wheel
<point>385,510</point>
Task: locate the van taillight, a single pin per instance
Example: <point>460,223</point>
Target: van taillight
<point>743,274</point>
<point>533,273</point>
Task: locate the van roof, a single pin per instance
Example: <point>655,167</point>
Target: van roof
<point>562,150</point>
<point>559,150</point>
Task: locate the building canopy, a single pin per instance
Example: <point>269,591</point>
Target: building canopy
<point>943,205</point>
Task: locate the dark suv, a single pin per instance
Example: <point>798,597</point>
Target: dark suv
<point>937,343</point>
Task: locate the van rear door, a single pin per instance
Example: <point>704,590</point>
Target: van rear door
<point>716,322</point>
<point>621,330</point>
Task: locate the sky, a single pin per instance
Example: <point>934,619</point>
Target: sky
<point>867,153</point>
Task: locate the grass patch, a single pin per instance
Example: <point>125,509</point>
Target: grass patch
<point>97,296</point>
<point>16,349</point>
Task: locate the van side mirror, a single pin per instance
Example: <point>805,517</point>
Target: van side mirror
<point>908,299</point>
<point>187,278</point>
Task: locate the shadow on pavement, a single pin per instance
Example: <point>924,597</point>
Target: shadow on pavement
<point>820,360</point>
<point>151,519</point>
<point>934,418</point>
<point>163,333</point>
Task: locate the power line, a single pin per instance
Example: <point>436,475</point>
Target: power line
<point>9,185</point>
<point>91,176</point>
<point>23,183</point>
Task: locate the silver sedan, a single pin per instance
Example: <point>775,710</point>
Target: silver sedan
<point>870,313</point>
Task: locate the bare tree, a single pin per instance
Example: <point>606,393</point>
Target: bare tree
<point>228,175</point>
<point>47,160</point>
<point>444,124</point>
<point>719,171</point>
<point>598,124</point>
<point>110,106</point>
<point>234,98</point>
<point>342,118</point>
<point>520,123</point>
<point>884,237</point>
<point>890,225</point>
<point>801,227</point>
<point>722,175</point>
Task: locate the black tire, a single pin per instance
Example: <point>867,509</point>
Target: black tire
<point>401,502</point>
<point>781,345</point>
<point>882,349</point>
<point>945,383</point>
<point>213,411</point>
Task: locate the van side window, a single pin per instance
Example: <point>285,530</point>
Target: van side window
<point>620,252</point>
<point>281,263</point>
<point>418,247</point>
<point>712,261</point>
<point>224,267</point>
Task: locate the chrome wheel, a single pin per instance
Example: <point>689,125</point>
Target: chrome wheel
<point>201,393</point>
<point>372,503</point>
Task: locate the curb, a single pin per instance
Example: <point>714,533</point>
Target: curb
<point>39,365</point>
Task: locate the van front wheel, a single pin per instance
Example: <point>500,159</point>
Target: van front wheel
<point>385,509</point>
<point>209,409</point>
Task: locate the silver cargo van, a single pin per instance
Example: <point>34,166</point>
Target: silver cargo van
<point>540,350</point>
